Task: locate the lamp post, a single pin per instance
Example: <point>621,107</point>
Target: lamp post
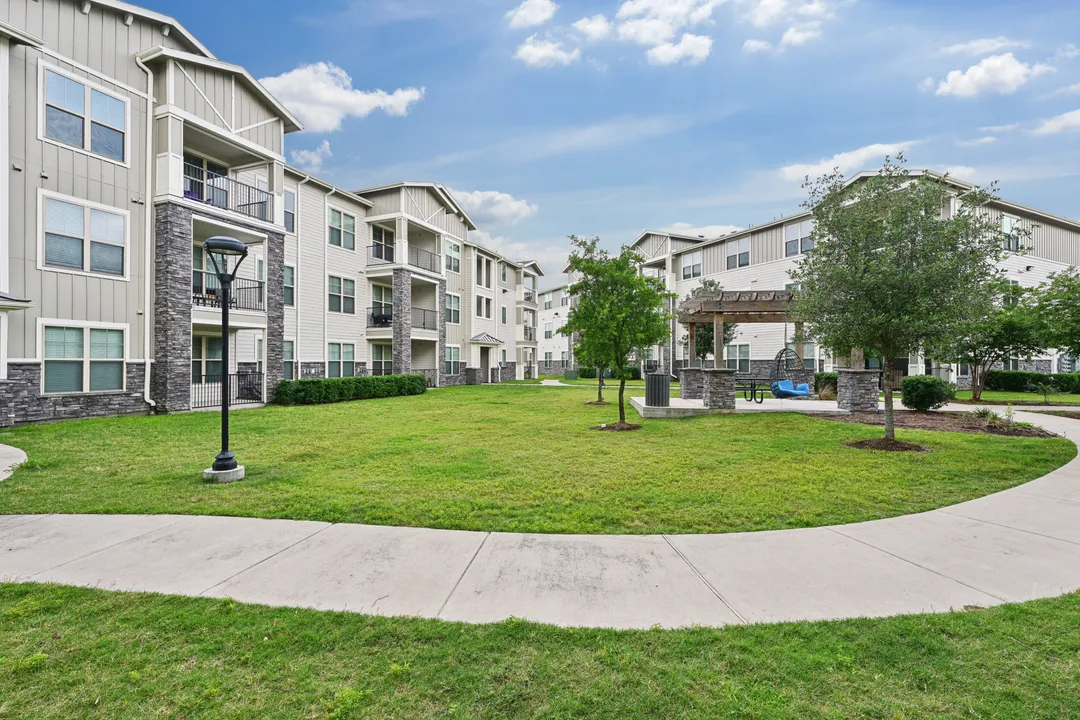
<point>220,249</point>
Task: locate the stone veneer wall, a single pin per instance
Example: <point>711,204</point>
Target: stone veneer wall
<point>473,376</point>
<point>507,371</point>
<point>22,401</point>
<point>402,324</point>
<point>692,384</point>
<point>170,377</point>
<point>440,347</point>
<point>452,380</point>
<point>310,370</point>
<point>275,313</point>
<point>432,376</point>
<point>857,390</point>
<point>719,389</point>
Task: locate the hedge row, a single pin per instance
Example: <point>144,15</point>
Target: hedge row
<point>329,390</point>
<point>590,373</point>
<point>1020,381</point>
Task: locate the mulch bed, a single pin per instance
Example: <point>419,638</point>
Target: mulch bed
<point>947,422</point>
<point>617,427</point>
<point>887,445</point>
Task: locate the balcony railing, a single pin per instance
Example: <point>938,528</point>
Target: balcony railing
<point>246,294</point>
<point>530,295</point>
<point>244,389</point>
<point>425,260</point>
<point>381,253</point>
<point>425,319</point>
<point>530,333</point>
<point>380,316</point>
<point>223,192</point>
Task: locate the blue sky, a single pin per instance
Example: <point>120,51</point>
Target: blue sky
<point>609,117</point>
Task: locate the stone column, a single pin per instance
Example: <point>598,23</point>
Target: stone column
<point>170,379</point>
<point>719,388</point>
<point>402,351</point>
<point>857,390</point>
<point>691,383</point>
<point>440,347</point>
<point>275,313</point>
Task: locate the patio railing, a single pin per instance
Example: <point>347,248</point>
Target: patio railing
<point>244,389</point>
<point>223,192</point>
<point>246,294</point>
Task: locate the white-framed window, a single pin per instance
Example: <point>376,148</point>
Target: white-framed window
<point>382,359</point>
<point>288,356</point>
<point>342,295</point>
<point>290,286</point>
<point>808,353</point>
<point>259,355</point>
<point>1010,225</point>
<point>502,269</point>
<point>547,301</point>
<point>547,359</point>
<point>382,306</point>
<point>453,309</point>
<point>797,238</point>
<point>82,359</point>
<point>738,357</point>
<point>382,243</point>
<point>503,311</point>
<point>565,300</point>
<point>205,359</point>
<point>290,211</point>
<point>563,354</point>
<point>503,357</point>
<point>964,370</point>
<point>691,265</point>
<point>1012,364</point>
<point>78,236</point>
<point>340,360</point>
<point>452,360</point>
<point>453,257</point>
<point>738,253</point>
<point>342,229</point>
<point>1013,293</point>
<point>84,116</point>
<point>548,330</point>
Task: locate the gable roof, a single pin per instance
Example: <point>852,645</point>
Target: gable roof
<point>486,339</point>
<point>123,7</point>
<point>440,190</point>
<point>19,37</point>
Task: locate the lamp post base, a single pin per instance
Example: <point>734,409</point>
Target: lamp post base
<point>224,476</point>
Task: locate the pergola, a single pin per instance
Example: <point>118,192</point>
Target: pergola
<point>755,306</point>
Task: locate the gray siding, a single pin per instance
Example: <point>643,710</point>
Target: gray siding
<point>386,202</point>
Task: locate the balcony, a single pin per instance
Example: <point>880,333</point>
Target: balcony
<point>246,294</point>
<point>425,319</point>
<point>530,333</point>
<point>244,389</point>
<point>529,296</point>
<point>380,316</point>
<point>425,260</point>
<point>204,186</point>
<point>380,253</point>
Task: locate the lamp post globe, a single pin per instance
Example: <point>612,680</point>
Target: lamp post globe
<point>220,249</point>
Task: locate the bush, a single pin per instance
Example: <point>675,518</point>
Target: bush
<point>823,381</point>
<point>587,373</point>
<point>1067,383</point>
<point>1021,381</point>
<point>926,392</point>
<point>318,391</point>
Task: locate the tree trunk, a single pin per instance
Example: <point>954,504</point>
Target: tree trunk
<point>890,420</point>
<point>622,407</point>
<point>976,381</point>
<point>599,385</point>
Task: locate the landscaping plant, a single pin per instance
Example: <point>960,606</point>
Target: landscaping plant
<point>926,392</point>
<point>1058,303</point>
<point>703,332</point>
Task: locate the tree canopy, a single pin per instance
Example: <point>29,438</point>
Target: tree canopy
<point>703,333</point>
<point>1058,305</point>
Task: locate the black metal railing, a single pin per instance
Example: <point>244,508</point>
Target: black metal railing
<point>380,316</point>
<point>530,295</point>
<point>246,294</point>
<point>381,253</point>
<point>425,260</point>
<point>530,333</point>
<point>425,319</point>
<point>223,192</point>
<point>244,389</point>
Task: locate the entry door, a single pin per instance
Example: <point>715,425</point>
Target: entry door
<point>485,365</point>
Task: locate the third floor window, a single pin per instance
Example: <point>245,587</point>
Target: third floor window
<point>342,230</point>
<point>85,117</point>
<point>342,295</point>
<point>738,253</point>
<point>797,238</point>
<point>691,265</point>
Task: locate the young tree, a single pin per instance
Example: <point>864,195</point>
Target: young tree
<point>703,333</point>
<point>590,303</point>
<point>888,272</point>
<point>618,309</point>
<point>1058,305</point>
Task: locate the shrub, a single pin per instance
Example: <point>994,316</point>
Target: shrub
<point>330,390</point>
<point>926,392</point>
<point>587,373</point>
<point>823,381</point>
<point>1067,383</point>
<point>1021,381</point>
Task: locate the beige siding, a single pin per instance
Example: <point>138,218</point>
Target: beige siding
<point>386,202</point>
<point>425,204</point>
<point>652,245</point>
<point>767,245</point>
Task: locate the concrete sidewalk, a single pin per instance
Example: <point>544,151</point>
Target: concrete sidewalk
<point>1016,545</point>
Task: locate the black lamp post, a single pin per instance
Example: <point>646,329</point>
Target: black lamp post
<point>220,249</point>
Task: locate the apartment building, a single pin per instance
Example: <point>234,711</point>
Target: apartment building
<point>555,351</point>
<point>126,144</point>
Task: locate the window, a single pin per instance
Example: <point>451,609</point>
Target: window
<point>487,308</point>
<point>807,355</point>
<point>259,355</point>
<point>340,360</point>
<point>84,238</point>
<point>290,211</point>
<point>502,268</point>
<point>453,361</point>
<point>288,355</point>
<point>503,314</point>
<point>453,309</point>
<point>738,253</point>
<point>342,230</point>
<point>382,306</point>
<point>691,267</point>
<point>290,286</point>
<point>205,359</point>
<point>1013,293</point>
<point>563,357</point>
<point>547,301</point>
<point>69,370</point>
<point>453,257</point>
<point>382,360</point>
<point>479,306</point>
<point>565,300</point>
<point>342,295</point>
<point>1012,364</point>
<point>547,331</point>
<point>965,370</point>
<point>101,132</point>
<point>797,238</point>
<point>547,359</point>
<point>382,247</point>
<point>738,357</point>
<point>1011,227</point>
<point>503,357</point>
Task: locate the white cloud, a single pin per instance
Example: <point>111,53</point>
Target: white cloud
<point>983,46</point>
<point>550,256</point>
<point>927,84</point>
<point>1060,123</point>
<point>1067,90</point>
<point>858,159</point>
<point>998,129</point>
<point>531,13</point>
<point>321,95</point>
<point>312,160</point>
<point>610,133</point>
<point>963,172</point>
<point>655,22</point>
<point>975,142</point>
<point>545,53</point>
<point>596,27</point>
<point>756,46</point>
<point>801,34</point>
<point>494,208</point>
<point>763,13</point>
<point>1067,52</point>
<point>708,231</point>
<point>691,48</point>
<point>1002,74</point>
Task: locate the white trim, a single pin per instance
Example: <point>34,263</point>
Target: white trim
<point>256,125</point>
<point>458,308</point>
<point>199,90</point>
<point>5,182</point>
<point>227,136</point>
<point>89,86</point>
<point>417,221</point>
<point>42,323</point>
<point>44,194</point>
<point>227,224</point>
<point>95,73</point>
<point>356,223</point>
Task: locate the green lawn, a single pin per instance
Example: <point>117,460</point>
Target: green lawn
<point>74,653</point>
<point>511,459</point>
<point>1000,397</point>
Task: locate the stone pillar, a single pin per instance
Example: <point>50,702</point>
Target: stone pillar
<point>440,348</point>
<point>857,390</point>
<point>170,379</point>
<point>402,351</point>
<point>691,383</point>
<point>719,388</point>
<point>273,369</point>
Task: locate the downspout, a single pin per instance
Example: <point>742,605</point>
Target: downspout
<point>149,227</point>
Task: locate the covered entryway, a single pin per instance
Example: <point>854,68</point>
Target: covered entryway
<point>488,347</point>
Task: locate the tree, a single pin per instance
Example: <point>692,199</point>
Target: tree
<point>703,333</point>
<point>889,272</point>
<point>589,350</point>
<point>1058,304</point>
<point>1002,325</point>
<point>618,311</point>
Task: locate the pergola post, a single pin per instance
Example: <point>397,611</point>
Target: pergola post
<point>693,345</point>
<point>718,340</point>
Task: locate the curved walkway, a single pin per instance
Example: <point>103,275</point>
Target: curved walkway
<point>1017,545</point>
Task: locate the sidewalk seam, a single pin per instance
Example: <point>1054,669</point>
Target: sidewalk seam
<point>1009,527</point>
<point>708,584</point>
<point>461,577</point>
<point>107,547</point>
<point>268,557</point>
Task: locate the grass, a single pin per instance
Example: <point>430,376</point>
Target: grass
<point>510,459</point>
<point>1001,397</point>
<point>77,653</point>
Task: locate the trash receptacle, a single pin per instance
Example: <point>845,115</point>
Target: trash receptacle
<point>657,390</point>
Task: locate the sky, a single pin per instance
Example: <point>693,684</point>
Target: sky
<point>608,117</point>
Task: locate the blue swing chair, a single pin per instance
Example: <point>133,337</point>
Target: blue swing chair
<point>789,377</point>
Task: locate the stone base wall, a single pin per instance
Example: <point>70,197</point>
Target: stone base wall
<point>691,384</point>
<point>508,371</point>
<point>473,376</point>
<point>557,367</point>
<point>21,400</point>
<point>719,389</point>
<point>452,380</point>
<point>432,377</point>
<point>402,321</point>
<point>247,367</point>
<point>309,370</point>
<point>857,390</point>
